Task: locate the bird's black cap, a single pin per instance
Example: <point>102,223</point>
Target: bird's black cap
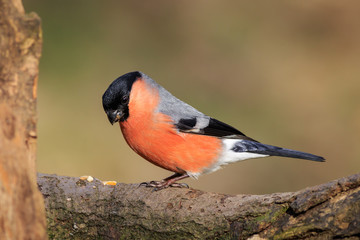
<point>116,97</point>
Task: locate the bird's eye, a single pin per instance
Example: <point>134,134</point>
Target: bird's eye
<point>124,99</point>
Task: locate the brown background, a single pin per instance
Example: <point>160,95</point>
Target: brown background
<point>283,72</point>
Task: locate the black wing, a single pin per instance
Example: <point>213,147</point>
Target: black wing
<point>214,128</point>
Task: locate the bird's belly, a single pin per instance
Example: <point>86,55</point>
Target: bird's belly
<point>161,144</point>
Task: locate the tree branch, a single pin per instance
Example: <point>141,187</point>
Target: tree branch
<point>88,210</point>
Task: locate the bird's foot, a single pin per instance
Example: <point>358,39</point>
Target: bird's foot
<point>167,182</point>
<point>158,185</point>
<point>152,183</point>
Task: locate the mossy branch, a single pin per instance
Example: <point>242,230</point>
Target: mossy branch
<point>91,210</point>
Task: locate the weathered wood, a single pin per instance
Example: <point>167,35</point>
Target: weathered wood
<point>81,209</point>
<point>22,213</point>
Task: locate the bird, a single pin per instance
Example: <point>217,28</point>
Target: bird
<point>177,137</point>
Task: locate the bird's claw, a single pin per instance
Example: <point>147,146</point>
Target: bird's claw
<point>152,184</point>
<point>158,185</point>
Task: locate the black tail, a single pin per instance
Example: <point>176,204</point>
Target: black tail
<point>260,148</point>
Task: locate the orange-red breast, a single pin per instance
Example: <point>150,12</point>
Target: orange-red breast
<point>175,136</point>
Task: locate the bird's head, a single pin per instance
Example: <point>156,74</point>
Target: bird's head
<point>116,98</point>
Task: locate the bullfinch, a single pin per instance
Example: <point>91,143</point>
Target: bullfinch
<point>175,136</point>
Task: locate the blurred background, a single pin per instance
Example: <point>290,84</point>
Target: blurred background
<point>286,73</point>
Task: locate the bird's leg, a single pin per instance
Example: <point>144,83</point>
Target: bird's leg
<point>167,182</point>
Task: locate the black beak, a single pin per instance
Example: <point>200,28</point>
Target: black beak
<point>114,116</point>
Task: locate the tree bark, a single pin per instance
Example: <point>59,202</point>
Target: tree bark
<point>22,214</point>
<point>82,209</point>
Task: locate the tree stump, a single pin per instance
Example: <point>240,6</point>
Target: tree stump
<point>22,214</point>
